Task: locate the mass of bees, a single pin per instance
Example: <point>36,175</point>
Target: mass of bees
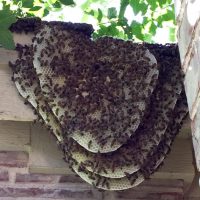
<point>114,106</point>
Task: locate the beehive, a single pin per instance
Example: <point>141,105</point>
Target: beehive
<point>115,106</point>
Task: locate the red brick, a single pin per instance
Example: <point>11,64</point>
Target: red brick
<point>70,179</point>
<point>44,193</point>
<point>36,178</point>
<point>4,176</point>
<point>13,158</point>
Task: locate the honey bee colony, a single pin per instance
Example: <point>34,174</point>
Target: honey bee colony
<point>114,106</point>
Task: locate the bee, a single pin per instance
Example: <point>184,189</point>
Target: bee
<point>104,170</point>
<point>108,185</point>
<point>104,182</point>
<point>113,142</point>
<point>27,84</point>
<point>33,39</point>
<point>36,91</point>
<point>51,39</point>
<point>39,40</point>
<point>91,177</point>
<point>98,181</point>
<point>18,79</point>
<point>35,48</point>
<point>113,167</point>
<point>23,88</point>
<point>89,144</point>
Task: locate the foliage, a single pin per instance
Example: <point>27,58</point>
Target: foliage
<point>137,20</point>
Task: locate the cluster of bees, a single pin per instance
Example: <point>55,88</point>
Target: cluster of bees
<point>114,106</point>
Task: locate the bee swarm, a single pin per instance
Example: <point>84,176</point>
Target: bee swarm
<point>114,106</point>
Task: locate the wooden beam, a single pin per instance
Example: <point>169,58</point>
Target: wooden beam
<point>45,156</point>
<point>12,104</point>
<point>14,136</point>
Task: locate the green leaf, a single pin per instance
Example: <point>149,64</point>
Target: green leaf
<point>159,21</point>
<point>7,17</point>
<point>15,2</point>
<point>168,16</point>
<point>172,35</point>
<point>123,22</point>
<point>35,8</point>
<point>137,29</point>
<point>136,6</point>
<point>30,15</point>
<point>112,29</point>
<point>147,37</point>
<point>27,3</point>
<point>145,20</point>
<point>144,8</point>
<point>6,39</point>
<point>162,3</point>
<point>67,2</point>
<point>152,4</point>
<point>46,12</point>
<point>5,5</point>
<point>91,12</point>
<point>100,15</point>
<point>56,4</point>
<point>112,13</point>
<point>152,28</point>
<point>123,6</point>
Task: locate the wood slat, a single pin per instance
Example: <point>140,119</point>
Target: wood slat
<point>14,136</point>
<point>45,156</point>
<point>11,105</point>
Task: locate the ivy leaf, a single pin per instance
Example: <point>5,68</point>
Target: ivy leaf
<point>168,16</point>
<point>35,8</point>
<point>5,5</point>
<point>6,19</point>
<point>30,15</point>
<point>112,13</point>
<point>91,12</point>
<point>100,15</point>
<point>56,4</point>
<point>148,37</point>
<point>45,12</point>
<point>6,39</point>
<point>145,20</point>
<point>137,30</point>
<point>162,3</point>
<point>112,29</point>
<point>136,6</point>
<point>27,3</point>
<point>152,4</point>
<point>102,31</point>
<point>67,2</point>
<point>153,28</point>
<point>123,6</point>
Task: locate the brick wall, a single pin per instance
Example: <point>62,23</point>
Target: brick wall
<point>17,183</point>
